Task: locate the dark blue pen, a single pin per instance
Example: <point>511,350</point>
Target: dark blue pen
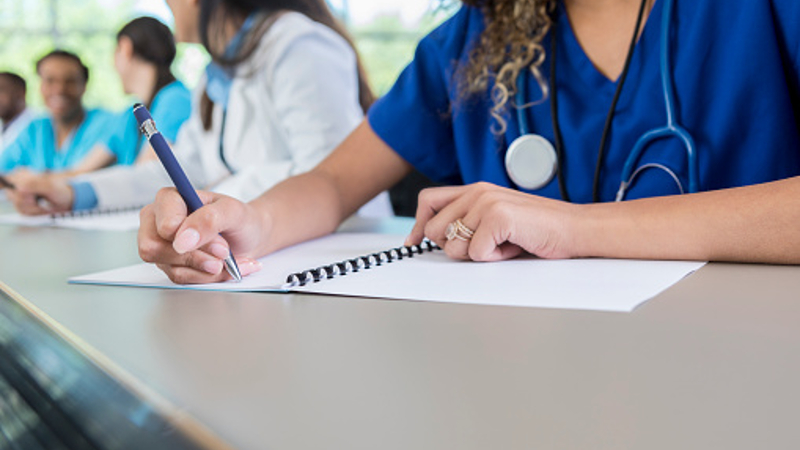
<point>193,202</point>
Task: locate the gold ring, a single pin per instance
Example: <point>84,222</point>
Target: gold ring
<point>457,230</point>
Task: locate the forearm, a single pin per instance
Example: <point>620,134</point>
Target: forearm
<point>298,209</point>
<point>758,223</point>
<point>315,203</point>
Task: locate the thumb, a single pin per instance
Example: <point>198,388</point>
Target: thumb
<point>222,215</point>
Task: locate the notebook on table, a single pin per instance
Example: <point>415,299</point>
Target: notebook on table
<point>379,266</point>
<point>111,219</point>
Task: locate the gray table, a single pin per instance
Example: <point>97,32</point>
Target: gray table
<point>712,363</point>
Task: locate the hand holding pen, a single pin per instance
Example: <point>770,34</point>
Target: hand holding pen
<point>35,194</point>
<point>182,183</point>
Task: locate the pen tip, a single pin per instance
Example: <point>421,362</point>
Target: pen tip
<point>233,269</point>
<point>137,106</point>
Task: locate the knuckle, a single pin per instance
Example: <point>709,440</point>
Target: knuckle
<point>429,230</point>
<point>424,196</point>
<point>164,191</point>
<point>179,275</point>
<point>212,217</point>
<point>145,213</point>
<point>149,250</point>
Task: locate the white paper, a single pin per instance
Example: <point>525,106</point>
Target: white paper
<point>591,284</point>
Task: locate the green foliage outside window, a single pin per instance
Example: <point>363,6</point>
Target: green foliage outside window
<point>31,28</point>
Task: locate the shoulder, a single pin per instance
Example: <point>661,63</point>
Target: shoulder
<point>174,96</point>
<point>97,115</point>
<point>454,37</point>
<point>38,124</point>
<point>175,91</point>
<point>291,30</point>
<point>39,121</point>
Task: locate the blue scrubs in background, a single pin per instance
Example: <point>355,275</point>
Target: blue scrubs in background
<point>171,107</point>
<point>35,147</point>
<point>735,72</point>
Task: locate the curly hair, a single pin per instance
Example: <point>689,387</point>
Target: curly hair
<point>510,43</point>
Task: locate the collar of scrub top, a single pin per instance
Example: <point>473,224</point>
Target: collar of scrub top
<point>630,171</point>
<point>219,78</point>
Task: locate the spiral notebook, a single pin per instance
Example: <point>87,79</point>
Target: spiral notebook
<point>378,266</point>
<point>111,219</point>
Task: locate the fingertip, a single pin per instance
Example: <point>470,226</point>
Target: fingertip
<point>248,266</point>
<point>186,241</point>
<point>219,250</point>
<point>212,266</point>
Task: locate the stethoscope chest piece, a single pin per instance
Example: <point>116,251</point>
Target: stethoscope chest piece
<point>531,161</point>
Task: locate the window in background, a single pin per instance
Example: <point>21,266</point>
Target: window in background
<point>386,33</point>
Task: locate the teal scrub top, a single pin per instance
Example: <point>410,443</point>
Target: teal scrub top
<point>35,147</point>
<point>170,108</point>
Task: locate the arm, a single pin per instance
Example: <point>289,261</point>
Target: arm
<point>300,208</point>
<point>98,158</point>
<point>749,224</point>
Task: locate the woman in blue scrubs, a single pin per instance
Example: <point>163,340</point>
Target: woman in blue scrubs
<point>734,69</point>
<point>143,59</point>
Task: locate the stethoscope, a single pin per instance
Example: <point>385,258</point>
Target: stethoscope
<point>531,160</point>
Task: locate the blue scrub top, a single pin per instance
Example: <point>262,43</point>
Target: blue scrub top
<point>171,106</point>
<point>35,147</point>
<point>735,71</point>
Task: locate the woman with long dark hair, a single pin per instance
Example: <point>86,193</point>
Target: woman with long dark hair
<point>284,87</point>
<point>143,59</point>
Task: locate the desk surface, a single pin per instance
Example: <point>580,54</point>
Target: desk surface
<point>710,363</point>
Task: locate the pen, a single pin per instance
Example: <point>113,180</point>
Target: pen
<point>176,173</point>
<point>41,201</point>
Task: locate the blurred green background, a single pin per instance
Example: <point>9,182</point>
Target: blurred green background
<point>386,34</point>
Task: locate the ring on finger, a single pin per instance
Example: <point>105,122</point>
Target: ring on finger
<point>457,230</point>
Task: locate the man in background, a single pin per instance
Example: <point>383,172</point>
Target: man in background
<point>62,138</point>
<point>14,114</point>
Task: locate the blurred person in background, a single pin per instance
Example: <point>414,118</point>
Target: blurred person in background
<point>63,137</point>
<point>14,113</point>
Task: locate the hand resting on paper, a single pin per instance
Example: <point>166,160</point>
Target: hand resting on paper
<point>190,249</point>
<point>505,222</point>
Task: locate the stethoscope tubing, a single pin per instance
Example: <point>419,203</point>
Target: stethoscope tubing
<point>670,130</point>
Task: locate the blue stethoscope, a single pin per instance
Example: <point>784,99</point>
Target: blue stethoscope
<point>532,161</point>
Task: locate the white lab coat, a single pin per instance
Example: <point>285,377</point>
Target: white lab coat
<point>290,105</point>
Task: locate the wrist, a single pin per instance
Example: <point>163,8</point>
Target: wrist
<point>588,231</point>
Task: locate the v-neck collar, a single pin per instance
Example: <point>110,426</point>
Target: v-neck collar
<point>578,61</point>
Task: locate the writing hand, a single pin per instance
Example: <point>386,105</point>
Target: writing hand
<point>189,249</point>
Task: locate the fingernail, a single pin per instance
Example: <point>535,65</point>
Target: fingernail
<point>248,266</point>
<point>213,267</point>
<point>186,241</point>
<point>219,250</point>
<point>408,241</point>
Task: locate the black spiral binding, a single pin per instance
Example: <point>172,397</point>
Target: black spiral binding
<point>94,212</point>
<point>356,264</point>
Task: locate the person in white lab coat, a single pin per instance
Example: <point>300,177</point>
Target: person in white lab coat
<point>285,86</point>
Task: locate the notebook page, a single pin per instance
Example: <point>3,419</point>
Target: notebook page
<point>590,284</point>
